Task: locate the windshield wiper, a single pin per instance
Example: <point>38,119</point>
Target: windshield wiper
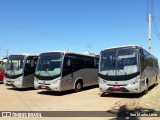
<point>11,69</point>
<point>46,70</point>
<point>123,72</point>
<point>111,68</point>
<point>48,73</point>
<point>39,73</point>
<point>108,71</point>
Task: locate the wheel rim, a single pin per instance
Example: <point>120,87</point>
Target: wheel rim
<point>79,86</point>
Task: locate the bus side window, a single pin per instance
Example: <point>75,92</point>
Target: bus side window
<point>90,62</point>
<point>79,63</point>
<point>30,64</point>
<point>34,62</point>
<point>70,63</point>
<point>96,62</point>
<point>142,60</point>
<point>67,65</point>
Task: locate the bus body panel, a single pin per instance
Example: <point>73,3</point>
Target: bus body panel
<point>51,85</point>
<point>68,82</point>
<point>120,86</point>
<point>9,81</point>
<point>24,82</point>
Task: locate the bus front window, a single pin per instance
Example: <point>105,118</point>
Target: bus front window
<point>14,65</point>
<point>126,61</point>
<point>108,63</point>
<point>49,65</point>
<point>118,62</point>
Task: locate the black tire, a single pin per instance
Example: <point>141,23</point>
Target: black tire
<point>156,83</point>
<point>78,86</point>
<point>146,90</point>
<point>103,94</point>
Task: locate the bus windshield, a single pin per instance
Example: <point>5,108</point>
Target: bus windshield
<point>14,65</point>
<point>118,61</point>
<point>49,65</point>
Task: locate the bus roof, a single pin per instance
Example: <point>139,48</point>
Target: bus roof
<point>128,46</point>
<point>4,60</point>
<point>122,47</point>
<point>71,52</point>
<point>25,54</point>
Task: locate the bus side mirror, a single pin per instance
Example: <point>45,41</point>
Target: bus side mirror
<point>32,64</point>
<point>27,66</point>
<point>69,63</point>
<point>11,66</point>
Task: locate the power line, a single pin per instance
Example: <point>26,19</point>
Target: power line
<point>35,32</point>
<point>151,18</point>
<point>157,33</point>
<point>150,10</point>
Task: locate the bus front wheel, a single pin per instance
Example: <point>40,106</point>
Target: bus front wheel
<point>78,86</point>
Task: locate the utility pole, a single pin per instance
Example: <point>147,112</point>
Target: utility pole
<point>150,10</point>
<point>7,51</point>
<point>149,32</point>
<point>89,46</point>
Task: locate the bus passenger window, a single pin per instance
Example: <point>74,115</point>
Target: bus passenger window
<point>79,63</point>
<point>67,69</point>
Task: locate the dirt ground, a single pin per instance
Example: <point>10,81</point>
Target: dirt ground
<point>90,99</point>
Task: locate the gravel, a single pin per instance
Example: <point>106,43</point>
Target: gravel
<point>150,100</point>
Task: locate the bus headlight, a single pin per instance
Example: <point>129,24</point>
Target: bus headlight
<point>102,81</point>
<point>35,79</point>
<point>134,82</point>
<point>55,82</point>
<point>19,79</point>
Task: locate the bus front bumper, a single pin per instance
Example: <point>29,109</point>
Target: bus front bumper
<point>119,88</point>
<point>47,85</point>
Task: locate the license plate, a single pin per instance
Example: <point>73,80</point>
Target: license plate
<point>7,79</point>
<point>9,83</point>
<point>116,87</point>
<point>43,87</point>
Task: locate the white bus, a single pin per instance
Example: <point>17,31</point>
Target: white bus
<point>127,69</point>
<point>19,70</point>
<point>64,70</point>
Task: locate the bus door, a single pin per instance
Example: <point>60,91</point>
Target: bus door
<point>68,73</point>
<point>142,70</point>
<point>29,70</point>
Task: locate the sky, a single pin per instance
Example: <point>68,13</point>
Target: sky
<point>35,26</point>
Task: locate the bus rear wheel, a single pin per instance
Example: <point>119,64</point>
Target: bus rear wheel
<point>78,86</point>
<point>156,82</point>
<point>146,90</point>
